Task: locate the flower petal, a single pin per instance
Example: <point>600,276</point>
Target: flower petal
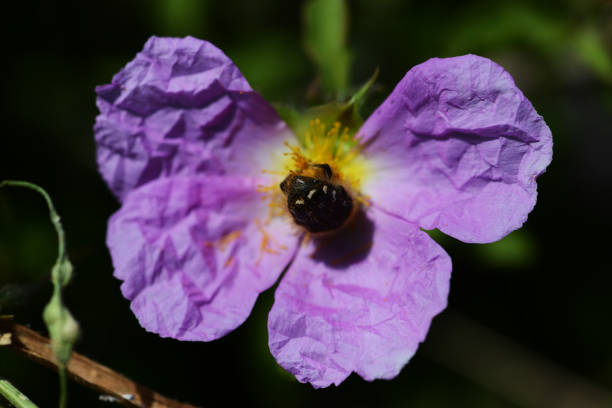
<point>193,256</point>
<point>361,302</point>
<point>457,146</point>
<point>181,107</point>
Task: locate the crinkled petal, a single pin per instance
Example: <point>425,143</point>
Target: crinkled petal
<point>181,107</point>
<point>361,302</point>
<point>194,252</point>
<point>457,146</point>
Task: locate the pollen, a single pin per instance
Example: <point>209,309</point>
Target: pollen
<point>335,146</point>
<point>328,166</point>
<point>267,241</point>
<point>224,241</point>
<point>276,204</point>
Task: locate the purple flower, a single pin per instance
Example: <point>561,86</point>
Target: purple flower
<point>196,158</point>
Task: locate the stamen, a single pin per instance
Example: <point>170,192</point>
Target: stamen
<point>329,154</point>
<point>364,200</point>
<point>266,240</point>
<point>224,241</point>
<point>273,172</point>
<point>307,238</point>
<point>228,239</point>
<point>277,205</point>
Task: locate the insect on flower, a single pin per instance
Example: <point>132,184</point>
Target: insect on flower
<point>217,195</point>
<point>316,203</point>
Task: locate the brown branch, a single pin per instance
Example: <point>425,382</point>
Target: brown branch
<point>83,370</point>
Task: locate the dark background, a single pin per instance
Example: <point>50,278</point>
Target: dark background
<point>529,317</point>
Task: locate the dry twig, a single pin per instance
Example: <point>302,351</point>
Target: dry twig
<point>83,370</point>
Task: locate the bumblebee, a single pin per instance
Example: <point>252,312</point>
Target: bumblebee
<point>316,203</point>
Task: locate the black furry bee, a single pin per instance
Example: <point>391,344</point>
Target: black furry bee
<point>316,203</point>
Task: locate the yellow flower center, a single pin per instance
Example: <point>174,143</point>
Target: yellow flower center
<point>334,146</point>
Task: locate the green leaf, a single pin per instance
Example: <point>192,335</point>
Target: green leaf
<point>347,113</point>
<point>300,121</point>
<point>359,97</point>
<point>325,31</point>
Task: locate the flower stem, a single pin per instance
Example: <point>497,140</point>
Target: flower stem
<point>63,329</point>
<point>14,396</point>
<point>63,397</point>
<point>55,219</point>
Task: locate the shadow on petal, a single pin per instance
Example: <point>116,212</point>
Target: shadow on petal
<point>349,246</point>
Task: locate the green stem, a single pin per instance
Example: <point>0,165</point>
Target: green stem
<point>63,387</point>
<point>14,396</point>
<point>55,219</point>
<point>60,276</point>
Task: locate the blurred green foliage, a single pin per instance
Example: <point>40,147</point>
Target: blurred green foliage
<point>591,48</point>
<point>516,251</point>
<point>325,33</point>
<point>181,17</point>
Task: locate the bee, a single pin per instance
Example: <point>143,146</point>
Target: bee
<point>317,203</point>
